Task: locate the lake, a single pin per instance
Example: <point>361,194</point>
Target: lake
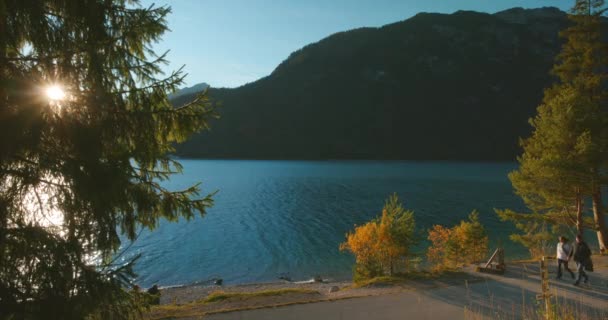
<point>273,218</point>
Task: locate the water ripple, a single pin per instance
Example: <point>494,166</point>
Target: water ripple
<point>277,217</point>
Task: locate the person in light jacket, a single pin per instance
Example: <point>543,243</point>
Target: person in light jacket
<point>564,252</point>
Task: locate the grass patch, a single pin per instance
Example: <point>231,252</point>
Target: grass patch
<point>380,281</point>
<point>195,309</point>
<point>197,313</point>
<point>403,278</point>
<point>530,260</point>
<point>396,279</point>
<point>220,296</point>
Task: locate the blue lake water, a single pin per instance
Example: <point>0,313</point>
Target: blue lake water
<point>289,217</point>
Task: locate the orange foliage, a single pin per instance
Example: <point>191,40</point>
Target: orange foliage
<point>363,243</point>
<point>440,240</point>
<point>464,243</point>
<point>379,244</point>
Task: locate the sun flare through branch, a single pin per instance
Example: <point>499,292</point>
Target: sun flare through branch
<point>55,92</point>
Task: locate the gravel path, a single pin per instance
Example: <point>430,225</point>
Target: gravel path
<point>510,296</point>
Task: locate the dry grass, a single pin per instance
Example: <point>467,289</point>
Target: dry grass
<point>407,277</point>
<point>206,306</point>
<point>560,307</point>
<point>220,296</point>
<point>558,312</point>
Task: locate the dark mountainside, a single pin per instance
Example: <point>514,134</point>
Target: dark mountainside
<point>434,87</point>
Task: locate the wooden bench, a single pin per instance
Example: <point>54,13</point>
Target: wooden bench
<point>496,264</point>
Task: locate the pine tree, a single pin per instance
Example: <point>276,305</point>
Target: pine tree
<point>564,161</point>
<point>396,231</point>
<point>584,68</point>
<point>78,171</point>
<point>550,179</point>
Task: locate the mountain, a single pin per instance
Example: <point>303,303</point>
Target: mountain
<point>458,86</point>
<point>189,91</point>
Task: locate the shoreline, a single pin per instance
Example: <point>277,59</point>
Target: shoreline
<point>181,294</point>
<point>210,283</point>
<point>195,301</point>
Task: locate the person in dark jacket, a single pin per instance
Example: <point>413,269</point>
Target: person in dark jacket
<point>582,257</point>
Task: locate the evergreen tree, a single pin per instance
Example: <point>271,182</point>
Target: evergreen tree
<point>396,232</point>
<point>584,68</point>
<point>550,179</point>
<point>565,160</point>
<point>79,170</point>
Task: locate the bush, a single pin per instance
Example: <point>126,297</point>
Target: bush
<point>462,244</point>
<point>379,245</point>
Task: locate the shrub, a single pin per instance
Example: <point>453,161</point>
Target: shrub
<point>379,245</point>
<point>462,244</point>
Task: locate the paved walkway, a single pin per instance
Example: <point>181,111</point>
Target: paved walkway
<point>510,296</point>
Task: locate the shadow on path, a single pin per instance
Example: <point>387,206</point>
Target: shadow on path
<point>514,294</point>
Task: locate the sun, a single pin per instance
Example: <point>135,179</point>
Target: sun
<point>55,93</point>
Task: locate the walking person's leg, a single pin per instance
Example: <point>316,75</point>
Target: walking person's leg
<point>580,268</point>
<point>585,275</point>
<point>559,268</point>
<point>568,269</point>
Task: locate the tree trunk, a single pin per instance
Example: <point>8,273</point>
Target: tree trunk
<point>600,220</point>
<point>579,213</point>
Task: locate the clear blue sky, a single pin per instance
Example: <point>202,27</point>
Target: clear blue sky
<point>228,43</point>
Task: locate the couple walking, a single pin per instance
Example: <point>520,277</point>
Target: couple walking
<point>581,255</point>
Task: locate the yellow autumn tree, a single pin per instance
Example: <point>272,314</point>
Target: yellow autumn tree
<point>462,244</point>
<point>363,243</point>
<point>379,245</point>
<point>470,240</point>
<point>438,254</point>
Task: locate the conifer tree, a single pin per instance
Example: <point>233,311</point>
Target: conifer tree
<point>396,233</point>
<point>566,158</point>
<point>584,68</point>
<point>85,167</point>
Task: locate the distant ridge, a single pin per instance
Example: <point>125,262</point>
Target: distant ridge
<point>523,16</point>
<point>197,88</point>
<point>458,86</point>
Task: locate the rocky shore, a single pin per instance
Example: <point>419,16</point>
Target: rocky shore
<point>429,294</point>
<point>193,301</point>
